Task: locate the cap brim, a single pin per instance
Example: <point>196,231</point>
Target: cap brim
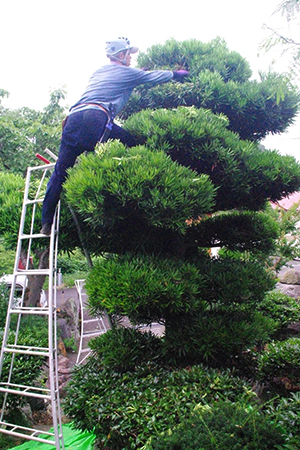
<point>134,50</point>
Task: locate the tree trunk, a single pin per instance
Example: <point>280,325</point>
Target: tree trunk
<point>36,282</point>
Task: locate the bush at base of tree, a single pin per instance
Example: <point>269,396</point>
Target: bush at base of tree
<point>27,368</point>
<point>281,308</point>
<point>279,364</point>
<point>222,426</point>
<point>124,409</point>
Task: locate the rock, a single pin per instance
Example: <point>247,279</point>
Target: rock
<point>65,332</point>
<point>291,276</point>
<point>292,290</point>
<point>67,320</point>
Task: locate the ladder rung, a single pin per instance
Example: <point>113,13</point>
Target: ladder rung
<point>29,391</point>
<point>33,236</point>
<point>27,350</point>
<point>34,311</point>
<point>85,350</point>
<point>92,333</point>
<point>33,202</point>
<point>33,272</point>
<point>90,321</point>
<point>27,433</point>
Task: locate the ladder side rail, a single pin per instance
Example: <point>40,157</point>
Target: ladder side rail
<point>13,286</point>
<point>42,167</point>
<point>42,181</point>
<point>79,286</point>
<point>11,297</point>
<point>51,352</point>
<point>56,411</point>
<point>83,334</point>
<point>52,331</point>
<point>28,252</point>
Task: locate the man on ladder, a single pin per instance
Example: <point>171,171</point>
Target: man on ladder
<point>90,120</point>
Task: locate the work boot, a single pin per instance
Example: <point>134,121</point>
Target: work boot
<point>46,229</point>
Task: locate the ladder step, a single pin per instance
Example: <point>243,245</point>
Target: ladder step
<point>92,333</point>
<point>34,311</point>
<point>29,391</point>
<point>91,321</point>
<point>27,350</point>
<point>85,350</point>
<point>33,236</point>
<point>33,272</point>
<point>33,202</point>
<point>27,433</point>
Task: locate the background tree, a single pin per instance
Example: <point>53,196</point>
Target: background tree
<point>25,132</point>
<point>291,47</point>
<point>200,180</point>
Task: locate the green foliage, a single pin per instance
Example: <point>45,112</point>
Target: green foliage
<point>4,297</point>
<point>152,288</point>
<point>7,259</point>
<point>8,442</point>
<point>148,288</point>
<point>198,57</point>
<point>221,426</point>
<point>25,132</point>
<point>281,360</point>
<point>71,263</point>
<point>245,175</point>
<point>125,409</point>
<point>236,231</point>
<point>141,196</point>
<point>11,199</point>
<point>286,414</point>
<point>214,337</point>
<point>124,349</point>
<point>282,308</point>
<point>26,368</point>
<point>208,311</point>
<point>220,82</point>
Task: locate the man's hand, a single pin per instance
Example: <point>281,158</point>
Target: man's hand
<point>180,74</point>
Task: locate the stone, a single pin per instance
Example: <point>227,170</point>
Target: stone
<point>67,320</point>
<point>291,276</point>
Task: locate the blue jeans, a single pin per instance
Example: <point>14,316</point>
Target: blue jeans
<point>81,133</point>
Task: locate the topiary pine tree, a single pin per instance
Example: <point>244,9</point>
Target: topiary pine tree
<point>199,180</point>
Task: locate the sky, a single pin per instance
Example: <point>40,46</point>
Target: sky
<point>48,44</point>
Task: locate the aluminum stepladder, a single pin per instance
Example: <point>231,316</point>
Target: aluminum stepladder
<point>89,327</point>
<point>32,198</point>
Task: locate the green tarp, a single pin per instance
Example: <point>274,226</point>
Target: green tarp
<point>73,440</point>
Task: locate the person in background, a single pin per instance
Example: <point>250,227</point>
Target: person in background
<point>91,119</point>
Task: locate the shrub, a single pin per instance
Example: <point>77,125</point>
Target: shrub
<point>26,368</point>
<point>221,426</point>
<point>279,364</point>
<point>72,263</point>
<point>280,307</point>
<point>7,259</point>
<point>286,414</point>
<point>4,298</point>
<point>208,312</point>
<point>123,349</point>
<point>214,337</point>
<point>125,409</point>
